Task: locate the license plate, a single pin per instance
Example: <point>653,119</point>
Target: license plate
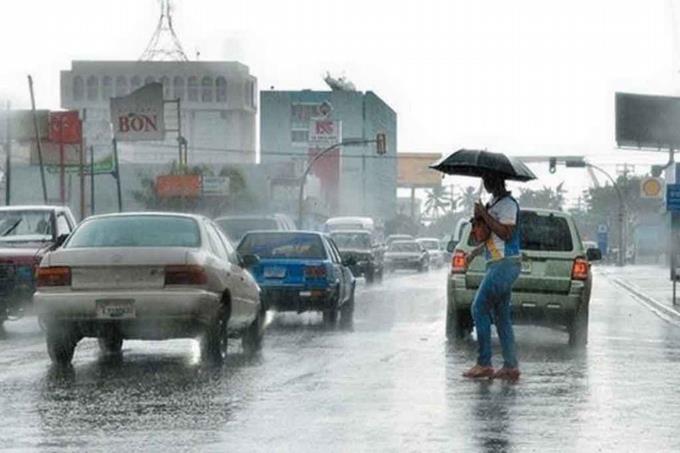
<point>274,272</point>
<point>526,267</point>
<point>116,309</point>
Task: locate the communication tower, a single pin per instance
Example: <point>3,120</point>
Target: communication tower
<point>164,44</point>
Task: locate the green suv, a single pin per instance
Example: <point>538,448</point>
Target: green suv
<point>553,288</point>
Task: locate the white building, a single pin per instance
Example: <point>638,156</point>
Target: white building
<point>218,106</point>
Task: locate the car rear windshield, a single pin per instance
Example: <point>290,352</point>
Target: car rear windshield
<point>236,228</point>
<point>283,245</point>
<point>404,247</point>
<point>352,240</point>
<point>25,225</point>
<point>137,231</point>
<point>548,233</point>
<point>430,245</point>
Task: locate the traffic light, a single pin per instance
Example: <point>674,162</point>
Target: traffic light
<point>381,143</point>
<point>553,164</point>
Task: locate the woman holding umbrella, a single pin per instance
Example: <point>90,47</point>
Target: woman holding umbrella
<point>496,226</point>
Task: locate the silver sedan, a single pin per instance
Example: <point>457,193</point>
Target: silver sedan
<point>148,276</point>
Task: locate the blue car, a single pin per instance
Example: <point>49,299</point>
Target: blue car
<point>301,271</point>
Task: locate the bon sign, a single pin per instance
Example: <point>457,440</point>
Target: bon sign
<point>139,116</point>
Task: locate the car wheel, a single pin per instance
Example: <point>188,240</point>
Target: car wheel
<point>458,323</point>
<point>347,313</point>
<point>253,336</point>
<point>330,317</point>
<point>61,344</point>
<point>370,275</point>
<point>111,344</point>
<point>215,340</point>
<point>578,328</point>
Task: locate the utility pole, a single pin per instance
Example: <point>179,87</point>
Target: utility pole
<point>8,151</point>
<point>37,139</point>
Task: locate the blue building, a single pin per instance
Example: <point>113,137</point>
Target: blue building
<point>355,181</point>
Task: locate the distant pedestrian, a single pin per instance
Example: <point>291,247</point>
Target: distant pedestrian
<point>503,266</point>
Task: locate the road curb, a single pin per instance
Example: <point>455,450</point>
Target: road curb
<point>660,309</point>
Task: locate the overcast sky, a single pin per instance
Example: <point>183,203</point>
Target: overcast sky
<point>522,76</point>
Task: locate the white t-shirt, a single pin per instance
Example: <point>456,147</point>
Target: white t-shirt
<point>505,211</point>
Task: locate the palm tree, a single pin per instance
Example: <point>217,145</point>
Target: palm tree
<point>437,201</point>
<point>468,199</point>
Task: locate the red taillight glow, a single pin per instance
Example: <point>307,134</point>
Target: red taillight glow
<point>458,262</point>
<point>185,275</point>
<point>579,270</point>
<point>53,276</point>
<point>315,272</point>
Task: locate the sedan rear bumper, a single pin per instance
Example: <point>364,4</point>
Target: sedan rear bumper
<point>298,298</point>
<point>157,314</point>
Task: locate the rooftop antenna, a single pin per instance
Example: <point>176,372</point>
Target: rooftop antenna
<point>164,44</point>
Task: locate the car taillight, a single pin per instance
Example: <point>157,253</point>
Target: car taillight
<point>579,271</point>
<point>458,262</point>
<point>53,276</point>
<point>315,272</point>
<point>185,275</point>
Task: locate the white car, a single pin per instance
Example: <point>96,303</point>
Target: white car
<point>148,276</point>
<point>434,249</point>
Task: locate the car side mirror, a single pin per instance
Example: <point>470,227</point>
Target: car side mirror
<point>594,254</point>
<point>248,261</point>
<point>451,246</point>
<point>349,261</point>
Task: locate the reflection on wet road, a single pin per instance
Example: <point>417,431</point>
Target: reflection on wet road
<point>394,383</point>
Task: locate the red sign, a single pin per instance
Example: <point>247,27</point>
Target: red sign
<point>178,186</point>
<point>65,127</point>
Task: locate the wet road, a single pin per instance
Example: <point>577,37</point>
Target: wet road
<point>393,384</point>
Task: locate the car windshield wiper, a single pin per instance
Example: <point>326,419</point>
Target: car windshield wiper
<point>12,228</point>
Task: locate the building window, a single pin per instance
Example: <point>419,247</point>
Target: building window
<point>250,94</point>
<point>121,86</point>
<point>299,136</point>
<point>149,79</point>
<point>107,88</point>
<point>301,114</point>
<point>220,89</point>
<point>206,89</point>
<point>92,88</point>
<point>166,86</point>
<point>178,87</point>
<point>192,89</point>
<point>78,88</point>
<point>135,83</point>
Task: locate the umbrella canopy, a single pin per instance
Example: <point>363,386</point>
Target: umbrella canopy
<point>472,162</point>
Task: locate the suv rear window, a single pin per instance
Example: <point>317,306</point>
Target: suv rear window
<point>547,233</point>
<point>283,245</point>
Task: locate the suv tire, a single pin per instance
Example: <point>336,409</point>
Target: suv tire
<point>458,323</point>
<point>578,327</point>
<point>369,273</point>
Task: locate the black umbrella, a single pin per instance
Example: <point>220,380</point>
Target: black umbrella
<point>472,162</point>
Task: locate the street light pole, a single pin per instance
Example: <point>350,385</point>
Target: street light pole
<point>325,151</point>
<point>621,258</point>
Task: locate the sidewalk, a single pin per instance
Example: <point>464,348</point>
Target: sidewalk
<point>649,283</point>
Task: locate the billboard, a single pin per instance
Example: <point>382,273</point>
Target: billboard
<point>65,127</point>
<point>645,121</point>
<point>139,115</point>
<point>178,186</point>
<point>324,132</point>
<point>413,170</point>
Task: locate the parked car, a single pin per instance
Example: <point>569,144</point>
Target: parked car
<point>367,255</point>
<point>406,255</point>
<point>397,237</point>
<point>434,250</point>
<point>553,288</point>
<point>236,226</point>
<point>302,271</point>
<point>26,234</point>
<point>148,276</point>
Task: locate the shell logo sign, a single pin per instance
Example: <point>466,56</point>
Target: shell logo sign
<point>651,188</point>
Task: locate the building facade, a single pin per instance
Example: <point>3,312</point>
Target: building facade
<point>355,180</point>
<point>218,106</point>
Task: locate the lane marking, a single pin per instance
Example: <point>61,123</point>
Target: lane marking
<point>662,311</point>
